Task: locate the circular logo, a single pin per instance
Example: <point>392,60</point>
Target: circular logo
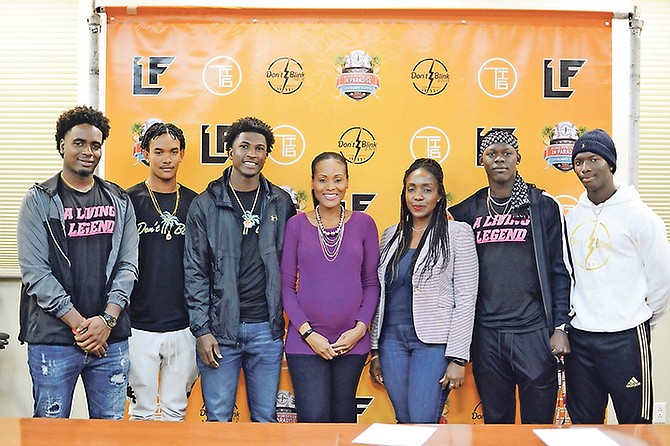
<point>430,77</point>
<point>430,142</point>
<point>222,75</point>
<point>592,243</point>
<point>289,145</point>
<point>285,75</point>
<point>497,77</point>
<point>357,145</point>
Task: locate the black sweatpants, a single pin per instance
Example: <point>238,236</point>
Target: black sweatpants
<point>617,364</point>
<point>501,362</point>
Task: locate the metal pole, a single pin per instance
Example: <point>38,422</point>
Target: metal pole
<point>635,24</point>
<point>94,58</point>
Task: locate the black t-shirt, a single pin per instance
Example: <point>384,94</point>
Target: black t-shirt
<point>251,280</point>
<point>157,303</point>
<point>90,219</point>
<point>509,297</point>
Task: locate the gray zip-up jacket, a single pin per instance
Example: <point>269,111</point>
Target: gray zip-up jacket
<point>46,268</point>
<point>212,251</point>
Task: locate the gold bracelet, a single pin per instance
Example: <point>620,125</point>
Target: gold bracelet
<point>374,357</point>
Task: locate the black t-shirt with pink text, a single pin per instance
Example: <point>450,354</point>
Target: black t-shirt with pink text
<point>509,297</point>
<point>90,219</point>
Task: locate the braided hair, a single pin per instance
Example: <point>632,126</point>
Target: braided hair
<point>437,227</point>
<point>160,128</point>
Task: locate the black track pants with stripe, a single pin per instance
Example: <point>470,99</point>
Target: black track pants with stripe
<point>617,364</point>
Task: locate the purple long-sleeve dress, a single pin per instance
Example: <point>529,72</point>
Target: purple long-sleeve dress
<point>332,296</point>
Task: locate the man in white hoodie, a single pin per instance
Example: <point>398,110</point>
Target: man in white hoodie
<point>621,265</point>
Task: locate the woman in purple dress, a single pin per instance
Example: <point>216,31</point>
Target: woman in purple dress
<point>330,292</point>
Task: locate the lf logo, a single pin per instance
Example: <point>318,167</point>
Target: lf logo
<point>360,202</point>
<point>156,66</point>
<point>218,154</point>
<point>362,403</point>
<point>567,69</point>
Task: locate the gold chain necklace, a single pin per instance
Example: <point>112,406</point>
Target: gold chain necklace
<point>68,184</point>
<point>249,219</point>
<point>168,219</point>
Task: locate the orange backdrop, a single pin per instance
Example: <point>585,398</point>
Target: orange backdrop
<point>380,86</point>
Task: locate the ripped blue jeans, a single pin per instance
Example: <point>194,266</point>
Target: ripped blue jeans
<point>54,370</point>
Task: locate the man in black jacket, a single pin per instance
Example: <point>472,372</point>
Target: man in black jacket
<point>524,286</point>
<point>234,235</point>
<point>77,244</point>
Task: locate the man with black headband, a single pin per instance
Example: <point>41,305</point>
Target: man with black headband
<point>524,286</point>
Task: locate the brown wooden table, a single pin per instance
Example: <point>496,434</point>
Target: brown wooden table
<point>52,432</point>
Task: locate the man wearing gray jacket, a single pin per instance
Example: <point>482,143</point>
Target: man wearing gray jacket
<point>78,249</point>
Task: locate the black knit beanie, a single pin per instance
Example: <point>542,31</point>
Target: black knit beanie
<point>599,142</point>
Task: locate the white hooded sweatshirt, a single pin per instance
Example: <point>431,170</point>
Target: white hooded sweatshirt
<point>621,261</point>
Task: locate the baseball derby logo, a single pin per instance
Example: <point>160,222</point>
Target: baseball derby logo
<point>358,74</point>
<point>285,75</point>
<point>559,141</point>
<point>357,145</point>
<point>430,77</point>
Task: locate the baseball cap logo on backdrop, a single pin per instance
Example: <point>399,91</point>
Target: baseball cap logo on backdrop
<point>559,141</point>
<point>358,74</point>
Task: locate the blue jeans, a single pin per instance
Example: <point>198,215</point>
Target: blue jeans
<point>55,369</point>
<point>412,371</point>
<point>259,356</point>
<point>325,390</point>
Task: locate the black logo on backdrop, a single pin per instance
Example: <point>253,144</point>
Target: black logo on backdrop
<point>285,75</point>
<point>216,153</point>
<point>567,69</point>
<point>362,403</point>
<point>361,202</point>
<point>357,145</point>
<point>156,66</point>
<point>430,76</point>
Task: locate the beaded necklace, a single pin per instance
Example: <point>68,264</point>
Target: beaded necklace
<point>168,219</point>
<point>330,240</point>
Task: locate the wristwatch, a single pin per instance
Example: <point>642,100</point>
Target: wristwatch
<point>110,320</point>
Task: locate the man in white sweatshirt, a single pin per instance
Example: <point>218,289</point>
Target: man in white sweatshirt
<point>621,265</point>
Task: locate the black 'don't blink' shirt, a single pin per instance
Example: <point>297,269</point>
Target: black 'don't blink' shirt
<point>157,303</point>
